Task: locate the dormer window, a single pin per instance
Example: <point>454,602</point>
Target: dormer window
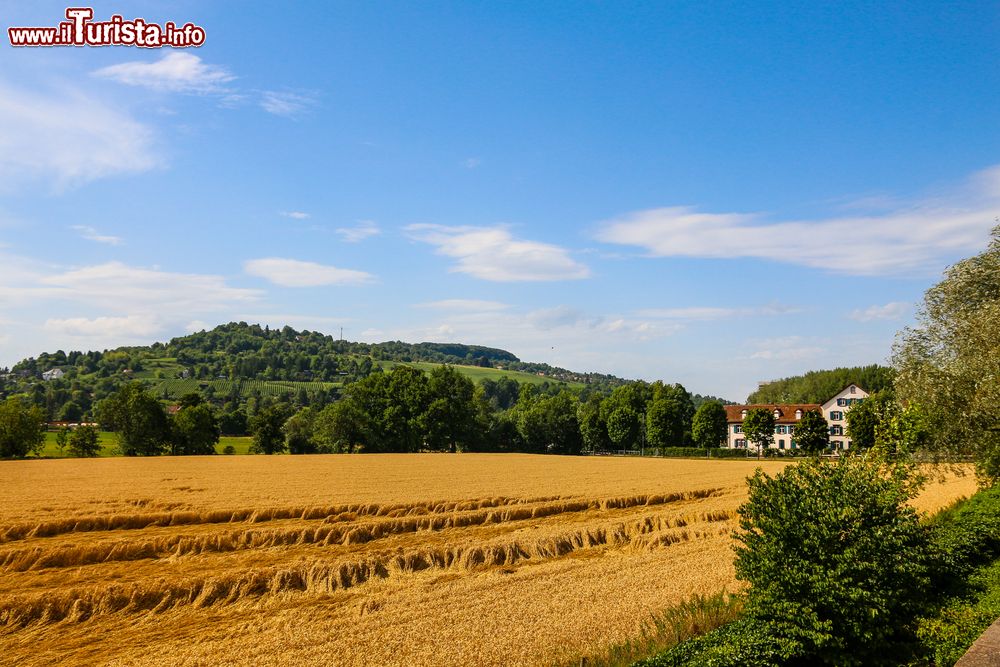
<point>777,413</point>
<point>798,414</point>
<point>744,414</point>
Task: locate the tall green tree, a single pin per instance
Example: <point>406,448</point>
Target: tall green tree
<point>668,416</point>
<point>22,429</point>
<point>812,433</point>
<point>863,418</point>
<point>947,363</point>
<point>84,442</point>
<point>758,427</point>
<point>624,428</point>
<point>708,427</point>
<point>195,430</point>
<point>300,432</point>
<point>138,419</point>
<point>449,420</point>
<point>593,428</point>
<point>266,426</point>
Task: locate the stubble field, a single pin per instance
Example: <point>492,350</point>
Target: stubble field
<point>471,559</point>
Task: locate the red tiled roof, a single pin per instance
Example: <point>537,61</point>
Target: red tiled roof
<point>734,413</point>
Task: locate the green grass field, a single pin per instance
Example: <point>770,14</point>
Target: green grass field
<point>109,445</point>
<point>176,387</point>
<point>476,373</point>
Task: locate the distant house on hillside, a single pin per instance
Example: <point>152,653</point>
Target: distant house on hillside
<point>786,415</point>
<point>53,374</point>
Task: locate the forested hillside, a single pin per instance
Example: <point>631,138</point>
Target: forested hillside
<point>818,386</point>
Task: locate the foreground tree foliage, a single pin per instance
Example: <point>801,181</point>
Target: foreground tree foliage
<point>836,560</point>
<point>948,363</point>
<point>863,418</point>
<point>22,429</point>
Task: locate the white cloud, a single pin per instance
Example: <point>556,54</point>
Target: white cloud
<point>786,348</point>
<point>918,237</point>
<point>491,253</point>
<point>69,138</point>
<point>706,313</point>
<point>177,72</point>
<point>128,288</point>
<point>560,335</point>
<point>107,305</point>
<point>129,326</point>
<point>296,215</point>
<point>890,311</point>
<point>471,162</point>
<point>464,305</point>
<point>362,230</point>
<point>92,234</point>
<point>285,103</point>
<point>295,273</point>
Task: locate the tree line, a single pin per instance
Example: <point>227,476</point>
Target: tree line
<point>408,410</point>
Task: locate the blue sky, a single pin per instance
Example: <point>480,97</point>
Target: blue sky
<point>709,193</point>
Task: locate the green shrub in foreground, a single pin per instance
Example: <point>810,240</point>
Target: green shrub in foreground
<point>836,560</point>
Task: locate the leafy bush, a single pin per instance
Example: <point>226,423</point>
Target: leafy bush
<point>948,634</point>
<point>228,449</point>
<point>739,644</point>
<point>836,559</point>
<point>713,452</point>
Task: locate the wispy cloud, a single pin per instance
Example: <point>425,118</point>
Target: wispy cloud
<point>362,230</point>
<point>916,237</point>
<point>471,162</point>
<point>695,313</point>
<point>890,311</point>
<point>177,72</point>
<point>786,348</point>
<point>464,305</point>
<point>295,273</point>
<point>128,326</point>
<point>92,234</point>
<point>284,103</point>
<point>296,215</point>
<point>68,138</point>
<point>108,304</point>
<point>492,253</point>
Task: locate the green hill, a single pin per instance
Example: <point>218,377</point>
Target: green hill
<point>237,362</point>
<point>819,386</point>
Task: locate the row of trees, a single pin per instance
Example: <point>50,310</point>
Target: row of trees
<point>145,429</point>
<point>407,410</point>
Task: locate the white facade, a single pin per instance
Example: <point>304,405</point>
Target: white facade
<point>52,374</point>
<point>786,415</point>
<point>835,411</point>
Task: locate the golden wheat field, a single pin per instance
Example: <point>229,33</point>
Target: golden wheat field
<point>434,559</point>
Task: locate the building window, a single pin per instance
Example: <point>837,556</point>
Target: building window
<point>841,402</point>
<point>836,415</point>
<point>777,413</point>
<point>798,414</point>
<point>737,429</point>
<point>852,388</point>
<point>781,444</point>
<point>744,414</point>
